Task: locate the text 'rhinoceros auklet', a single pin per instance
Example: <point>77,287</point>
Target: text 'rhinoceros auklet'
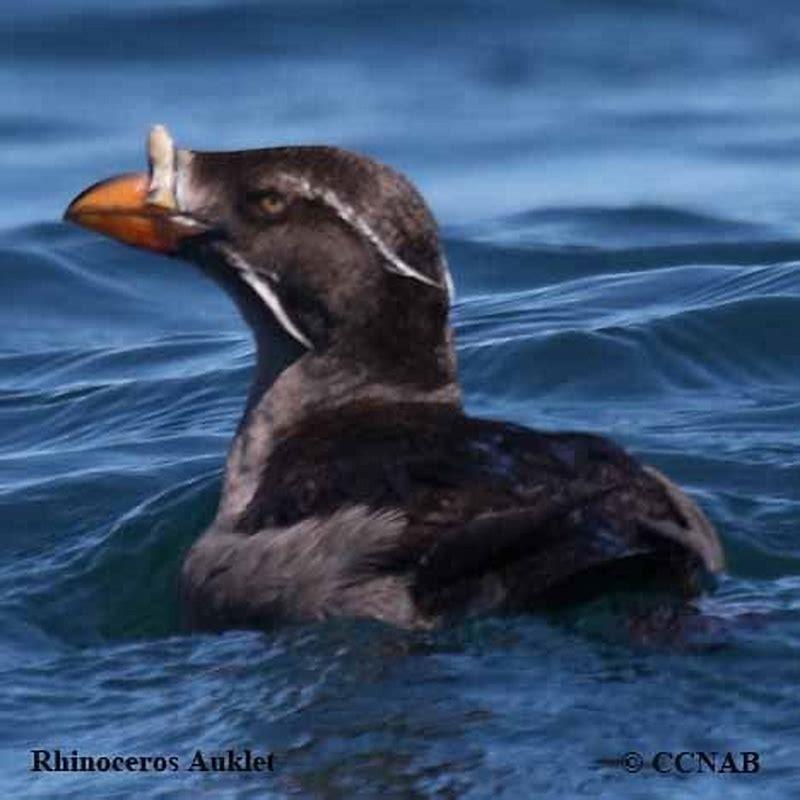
<point>356,485</point>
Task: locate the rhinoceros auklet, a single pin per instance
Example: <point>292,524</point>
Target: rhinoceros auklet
<point>356,485</point>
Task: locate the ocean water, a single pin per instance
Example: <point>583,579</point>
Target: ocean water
<point>619,189</point>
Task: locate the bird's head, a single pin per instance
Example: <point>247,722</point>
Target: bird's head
<point>339,249</point>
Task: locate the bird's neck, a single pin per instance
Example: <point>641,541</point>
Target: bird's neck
<point>282,400</point>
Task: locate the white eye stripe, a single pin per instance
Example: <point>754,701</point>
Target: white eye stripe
<point>347,214</point>
<point>265,292</point>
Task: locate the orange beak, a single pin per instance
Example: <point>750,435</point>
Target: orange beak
<point>119,207</point>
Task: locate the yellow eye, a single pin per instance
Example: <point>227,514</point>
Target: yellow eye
<point>272,203</point>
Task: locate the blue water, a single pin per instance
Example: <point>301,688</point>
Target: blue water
<point>619,186</point>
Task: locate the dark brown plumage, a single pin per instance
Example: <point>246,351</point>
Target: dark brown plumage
<point>356,485</point>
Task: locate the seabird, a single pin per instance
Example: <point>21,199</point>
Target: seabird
<point>356,485</point>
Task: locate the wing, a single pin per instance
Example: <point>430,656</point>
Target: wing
<point>306,571</point>
<point>451,514</point>
<point>566,548</point>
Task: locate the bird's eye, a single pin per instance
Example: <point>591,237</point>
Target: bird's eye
<point>271,202</point>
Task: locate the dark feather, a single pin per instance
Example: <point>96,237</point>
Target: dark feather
<point>495,514</point>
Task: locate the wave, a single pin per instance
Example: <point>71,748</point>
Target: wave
<point>690,327</point>
<point>634,226</point>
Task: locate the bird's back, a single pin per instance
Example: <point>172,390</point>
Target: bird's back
<point>434,463</point>
<point>416,512</point>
